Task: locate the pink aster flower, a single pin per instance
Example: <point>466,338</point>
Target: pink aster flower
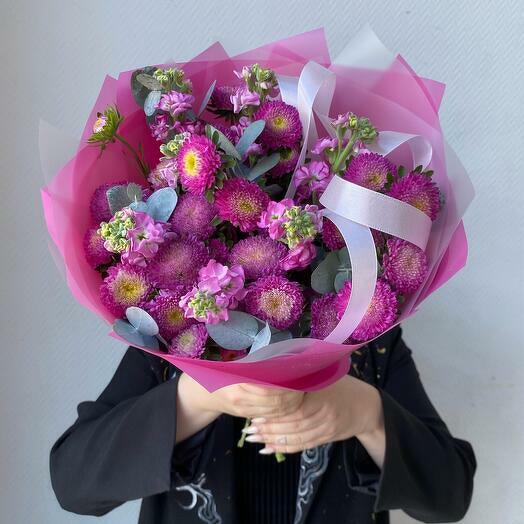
<point>193,215</point>
<point>218,250</point>
<point>160,127</point>
<point>323,316</point>
<point>380,315</point>
<point>125,286</point>
<point>144,239</point>
<point>197,162</point>
<point>99,207</point>
<point>96,253</point>
<point>331,236</point>
<point>283,127</point>
<point>287,163</point>
<point>405,265</point>
<point>221,98</point>
<point>419,191</point>
<point>175,103</point>
<point>190,342</point>
<point>311,178</point>
<point>274,216</point>
<point>242,97</point>
<point>259,256</point>
<point>177,262</point>
<point>300,256</point>
<point>370,170</point>
<point>276,300</point>
<point>168,314</point>
<point>241,202</point>
<point>164,174</point>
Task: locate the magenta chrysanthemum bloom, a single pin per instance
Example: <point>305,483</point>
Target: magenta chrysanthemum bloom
<point>370,170</point>
<point>283,127</point>
<point>312,178</point>
<point>177,263</point>
<point>99,207</point>
<point>221,98</point>
<point>168,314</point>
<point>324,317</point>
<point>193,215</point>
<point>190,342</point>
<point>125,286</point>
<point>300,256</point>
<point>218,250</point>
<point>259,256</point>
<point>287,163</point>
<point>276,300</point>
<point>241,202</point>
<point>144,239</point>
<point>332,236</point>
<point>164,174</point>
<point>175,103</point>
<point>419,191</point>
<point>380,315</point>
<point>405,265</point>
<point>197,162</point>
<point>160,127</point>
<point>96,253</point>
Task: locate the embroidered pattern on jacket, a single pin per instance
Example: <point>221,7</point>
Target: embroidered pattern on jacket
<point>207,511</point>
<point>313,464</point>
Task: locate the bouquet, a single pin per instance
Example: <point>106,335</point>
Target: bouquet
<point>257,218</point>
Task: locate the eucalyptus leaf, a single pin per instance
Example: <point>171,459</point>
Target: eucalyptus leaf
<point>343,257</point>
<point>149,81</point>
<point>207,97</point>
<point>130,334</point>
<point>279,336</point>
<point>340,278</point>
<point>273,190</point>
<point>241,170</point>
<point>250,134</point>
<point>151,102</point>
<point>323,276</point>
<point>142,321</point>
<point>117,198</point>
<point>225,144</point>
<point>161,204</point>
<point>236,333</point>
<point>138,206</point>
<point>140,91</point>
<point>263,165</point>
<point>262,338</point>
<point>134,192</point>
<point>190,115</point>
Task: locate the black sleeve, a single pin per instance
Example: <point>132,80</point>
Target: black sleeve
<point>427,472</point>
<point>122,446</point>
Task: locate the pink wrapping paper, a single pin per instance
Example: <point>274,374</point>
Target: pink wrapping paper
<point>393,97</point>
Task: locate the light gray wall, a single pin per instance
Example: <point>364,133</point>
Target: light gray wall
<point>466,339</point>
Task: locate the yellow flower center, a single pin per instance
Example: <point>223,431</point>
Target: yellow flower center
<point>276,304</point>
<point>191,163</point>
<point>175,316</point>
<point>279,122</point>
<point>128,290</point>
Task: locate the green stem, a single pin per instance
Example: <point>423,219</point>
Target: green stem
<point>242,439</point>
<point>280,457</point>
<point>141,164</point>
<point>345,152</point>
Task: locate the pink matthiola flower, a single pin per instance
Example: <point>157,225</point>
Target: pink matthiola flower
<point>313,177</point>
<point>216,278</point>
<point>164,174</point>
<point>160,127</point>
<point>144,239</point>
<point>196,127</point>
<point>273,218</point>
<point>299,257</point>
<point>242,98</point>
<point>175,103</point>
<point>324,143</point>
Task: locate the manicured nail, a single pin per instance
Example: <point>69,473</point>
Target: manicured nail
<point>266,451</point>
<point>250,430</point>
<point>258,420</point>
<point>254,438</point>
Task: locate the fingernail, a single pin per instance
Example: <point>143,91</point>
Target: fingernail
<point>250,430</point>
<point>258,420</point>
<point>266,451</point>
<point>254,438</point>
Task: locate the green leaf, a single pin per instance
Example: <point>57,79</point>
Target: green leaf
<point>263,165</point>
<point>130,334</point>
<point>149,82</point>
<point>142,321</point>
<point>138,90</point>
<point>151,102</point>
<point>236,333</point>
<point>250,134</point>
<point>340,278</point>
<point>323,277</point>
<point>134,192</point>
<point>223,142</point>
<point>262,338</point>
<point>279,336</point>
<point>207,97</point>
<point>161,204</point>
<point>117,198</point>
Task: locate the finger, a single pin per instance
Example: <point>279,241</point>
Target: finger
<point>293,448</point>
<point>283,426</point>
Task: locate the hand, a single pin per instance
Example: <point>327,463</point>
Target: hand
<point>347,408</point>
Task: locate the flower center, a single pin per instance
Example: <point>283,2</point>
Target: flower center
<point>128,289</point>
<point>279,122</point>
<point>276,304</point>
<point>175,316</point>
<point>191,163</point>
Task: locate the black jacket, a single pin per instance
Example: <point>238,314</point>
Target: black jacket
<point>121,448</point>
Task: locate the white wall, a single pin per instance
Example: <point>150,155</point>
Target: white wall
<point>466,339</point>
